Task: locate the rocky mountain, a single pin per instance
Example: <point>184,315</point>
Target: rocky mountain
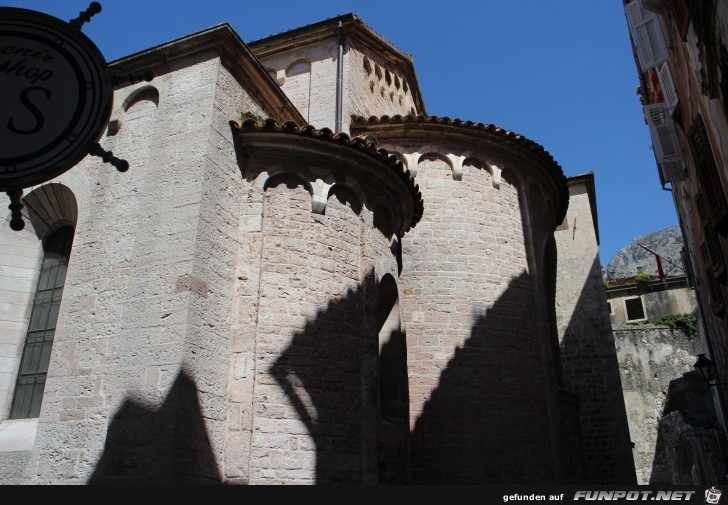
<point>667,243</point>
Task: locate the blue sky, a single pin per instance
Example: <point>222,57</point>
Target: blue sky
<point>559,72</point>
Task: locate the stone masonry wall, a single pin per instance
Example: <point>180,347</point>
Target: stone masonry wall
<point>588,355</point>
<point>650,358</point>
<point>299,276</point>
<point>315,342</point>
<point>148,293</point>
<point>374,87</point>
<point>308,76</point>
<point>474,353</point>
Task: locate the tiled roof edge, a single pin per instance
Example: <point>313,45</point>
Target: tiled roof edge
<point>366,145</point>
<point>509,135</point>
<point>444,120</point>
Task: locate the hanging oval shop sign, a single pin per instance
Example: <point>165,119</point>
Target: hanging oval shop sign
<point>56,97</point>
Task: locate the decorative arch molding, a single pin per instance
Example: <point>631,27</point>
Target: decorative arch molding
<point>297,67</point>
<point>493,167</point>
<point>401,157</point>
<point>405,154</point>
<point>275,177</point>
<point>433,152</point>
<point>50,207</point>
<point>146,92</point>
<point>453,161</point>
<point>297,84</point>
<point>321,185</point>
<point>476,163</point>
<point>346,196</point>
<point>411,159</point>
<point>323,160</point>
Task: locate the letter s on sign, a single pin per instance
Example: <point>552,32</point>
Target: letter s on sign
<point>40,121</point>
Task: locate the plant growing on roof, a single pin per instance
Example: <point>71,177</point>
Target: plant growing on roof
<point>643,277</point>
<point>249,115</point>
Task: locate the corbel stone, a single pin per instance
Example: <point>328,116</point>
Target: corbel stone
<point>411,160</point>
<point>457,166</point>
<point>496,175</point>
<point>320,196</point>
<point>281,76</point>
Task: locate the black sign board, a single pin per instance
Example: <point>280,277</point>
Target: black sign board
<point>55,97</point>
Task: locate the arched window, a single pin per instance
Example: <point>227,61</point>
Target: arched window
<point>42,326</point>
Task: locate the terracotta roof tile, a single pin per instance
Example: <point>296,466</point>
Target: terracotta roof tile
<point>444,120</point>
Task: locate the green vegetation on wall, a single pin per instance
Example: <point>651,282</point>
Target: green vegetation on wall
<point>685,322</point>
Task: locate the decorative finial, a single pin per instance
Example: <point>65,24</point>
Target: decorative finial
<point>85,16</point>
<point>16,218</point>
<point>108,157</point>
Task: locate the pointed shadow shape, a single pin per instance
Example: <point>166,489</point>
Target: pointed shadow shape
<point>590,369</point>
<point>161,446</point>
<point>487,421</point>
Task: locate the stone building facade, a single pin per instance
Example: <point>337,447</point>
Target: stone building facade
<point>681,54</point>
<point>304,279</point>
<point>589,365</point>
<point>631,301</point>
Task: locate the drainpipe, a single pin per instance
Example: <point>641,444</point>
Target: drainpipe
<point>339,79</point>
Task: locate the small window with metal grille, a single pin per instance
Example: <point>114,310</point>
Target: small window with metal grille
<point>634,308</point>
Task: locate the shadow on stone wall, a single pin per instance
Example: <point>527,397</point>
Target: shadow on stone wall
<point>591,370</point>
<point>393,450</point>
<point>321,373</point>
<point>688,437</point>
<point>487,420</point>
<point>161,446</point>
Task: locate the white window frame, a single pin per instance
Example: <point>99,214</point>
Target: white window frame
<point>646,31</point>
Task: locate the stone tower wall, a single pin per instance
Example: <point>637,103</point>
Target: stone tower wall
<point>319,235</point>
<point>588,354</point>
<point>374,86</point>
<point>475,314</point>
<point>308,76</point>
